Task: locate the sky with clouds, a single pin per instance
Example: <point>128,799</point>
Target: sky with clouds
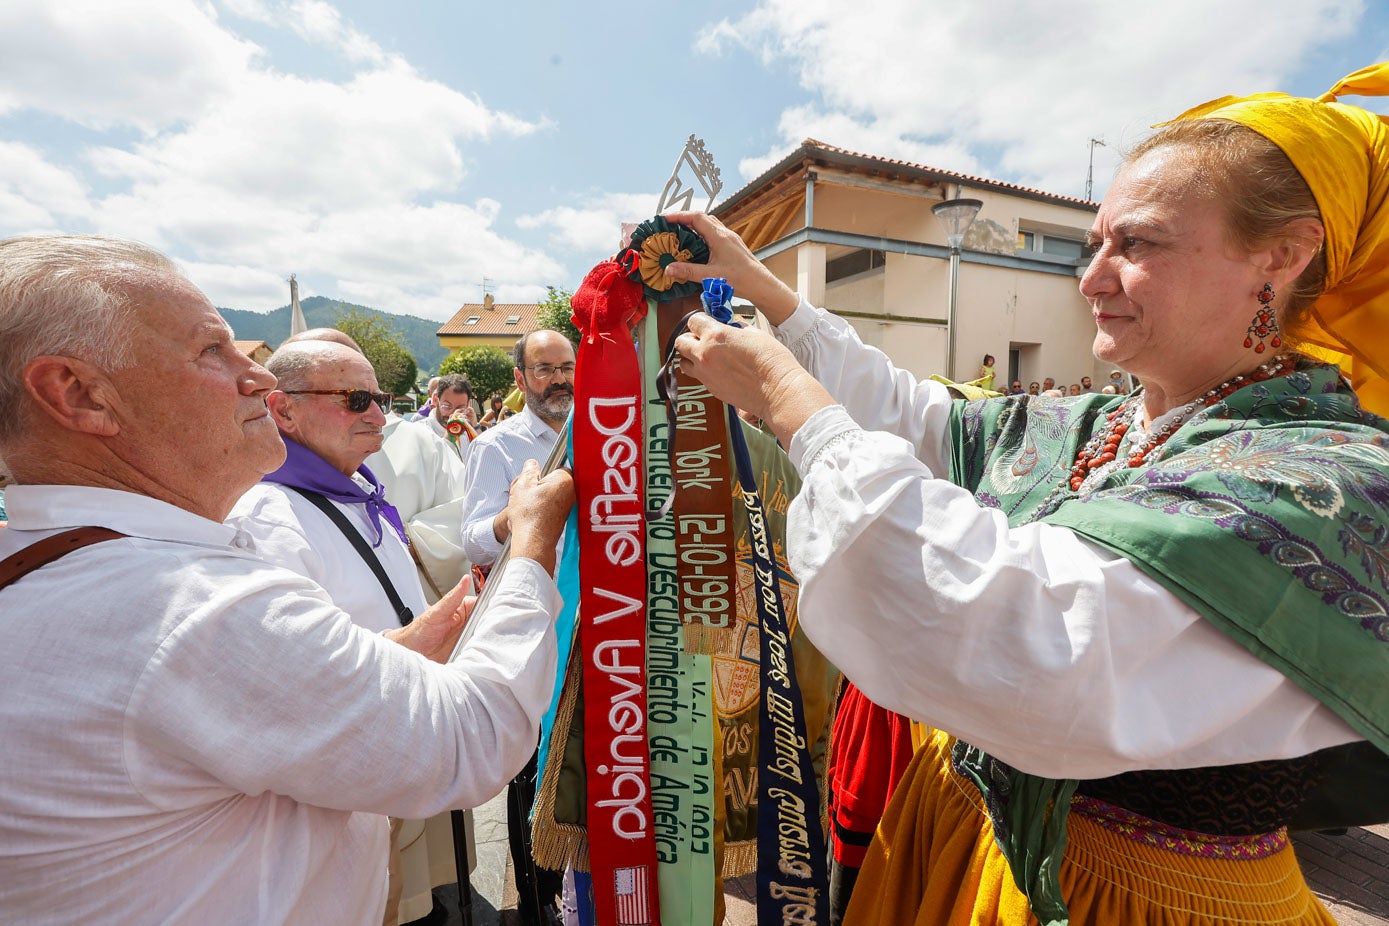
<point>397,155</point>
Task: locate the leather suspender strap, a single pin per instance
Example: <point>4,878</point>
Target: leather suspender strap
<point>17,566</point>
<point>354,537</point>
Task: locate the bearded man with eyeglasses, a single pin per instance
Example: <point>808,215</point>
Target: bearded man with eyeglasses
<point>544,372</point>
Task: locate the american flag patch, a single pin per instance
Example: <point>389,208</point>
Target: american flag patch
<point>633,899</point>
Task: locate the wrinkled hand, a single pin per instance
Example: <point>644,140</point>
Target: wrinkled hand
<point>730,258</point>
<point>434,633</point>
<point>536,512</point>
<point>749,369</point>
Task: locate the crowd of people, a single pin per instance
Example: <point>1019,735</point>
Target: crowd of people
<point>1118,384</point>
<point>260,590</point>
<point>1109,645</point>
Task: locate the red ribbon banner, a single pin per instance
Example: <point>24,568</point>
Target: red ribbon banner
<point>608,482</point>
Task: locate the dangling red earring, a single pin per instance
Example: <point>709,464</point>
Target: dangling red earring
<point>1265,323</point>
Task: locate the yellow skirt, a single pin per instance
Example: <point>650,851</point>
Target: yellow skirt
<point>933,862</point>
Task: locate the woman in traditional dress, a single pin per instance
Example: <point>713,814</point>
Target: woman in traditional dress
<point>1150,631</point>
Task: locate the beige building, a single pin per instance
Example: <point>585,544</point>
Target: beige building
<point>259,351</point>
<point>488,324</point>
<point>856,234</point>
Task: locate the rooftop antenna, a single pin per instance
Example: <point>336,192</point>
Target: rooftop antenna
<point>1090,174</point>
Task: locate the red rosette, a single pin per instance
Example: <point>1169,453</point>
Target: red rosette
<point>607,301</point>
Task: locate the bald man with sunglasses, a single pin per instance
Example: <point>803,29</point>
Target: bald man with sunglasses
<point>330,414</point>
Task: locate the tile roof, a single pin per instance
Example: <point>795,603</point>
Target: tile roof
<point>247,347</point>
<point>492,322</point>
<point>831,155</point>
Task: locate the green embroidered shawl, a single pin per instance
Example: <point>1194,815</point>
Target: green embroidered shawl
<point>1265,513</point>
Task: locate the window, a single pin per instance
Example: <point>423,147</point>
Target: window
<point>855,262</point>
<point>1054,245</point>
<point>1062,247</point>
<point>513,319</point>
<point>473,319</point>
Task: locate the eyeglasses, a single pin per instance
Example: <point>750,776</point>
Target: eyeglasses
<point>546,370</point>
<point>358,400</point>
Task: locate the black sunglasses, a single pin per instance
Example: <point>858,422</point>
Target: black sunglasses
<point>358,400</point>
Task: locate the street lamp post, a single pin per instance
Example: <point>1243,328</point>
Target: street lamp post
<point>956,216</point>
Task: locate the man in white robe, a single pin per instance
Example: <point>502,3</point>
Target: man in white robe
<point>424,480</point>
<point>423,477</point>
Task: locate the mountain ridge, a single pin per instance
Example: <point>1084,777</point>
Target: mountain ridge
<point>419,334</point>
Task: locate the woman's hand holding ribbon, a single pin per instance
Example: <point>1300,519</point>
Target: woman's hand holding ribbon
<point>752,371</point>
<point>730,258</point>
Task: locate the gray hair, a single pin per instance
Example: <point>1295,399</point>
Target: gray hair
<point>331,335</point>
<point>295,361</point>
<point>67,295</point>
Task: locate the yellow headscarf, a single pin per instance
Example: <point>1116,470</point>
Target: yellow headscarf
<point>1342,152</point>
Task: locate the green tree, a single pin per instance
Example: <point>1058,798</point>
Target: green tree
<point>555,313</point>
<point>384,347</point>
<point>487,368</point>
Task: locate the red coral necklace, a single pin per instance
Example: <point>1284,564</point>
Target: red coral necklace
<point>1100,455</point>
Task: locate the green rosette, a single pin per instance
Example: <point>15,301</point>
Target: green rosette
<point>656,243</point>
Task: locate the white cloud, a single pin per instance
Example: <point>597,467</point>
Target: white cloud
<point>320,23</point>
<point>73,59</point>
<point>245,173</point>
<point>383,135</point>
<point>1015,89</point>
<point>35,195</point>
<point>314,21</point>
<point>594,227</point>
<point>417,259</point>
<point>427,260</point>
<point>874,138</point>
<point>254,10</point>
<point>237,286</point>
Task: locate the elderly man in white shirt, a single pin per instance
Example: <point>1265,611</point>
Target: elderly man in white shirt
<point>192,734</point>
